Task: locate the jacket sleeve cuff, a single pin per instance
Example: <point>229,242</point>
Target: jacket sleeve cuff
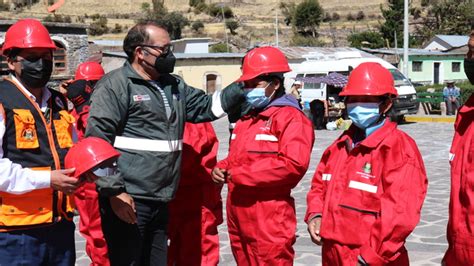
<point>371,257</point>
<point>42,179</point>
<point>312,216</point>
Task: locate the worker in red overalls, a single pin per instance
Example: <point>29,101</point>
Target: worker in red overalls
<point>86,197</point>
<point>368,189</point>
<point>269,153</point>
<point>461,212</point>
<point>196,210</point>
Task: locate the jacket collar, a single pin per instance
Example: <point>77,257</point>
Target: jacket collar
<point>373,140</point>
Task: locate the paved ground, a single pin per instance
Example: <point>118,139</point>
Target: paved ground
<point>427,243</point>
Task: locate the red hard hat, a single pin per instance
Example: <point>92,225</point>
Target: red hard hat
<point>27,33</point>
<point>88,154</point>
<point>89,71</point>
<point>370,79</point>
<point>263,60</point>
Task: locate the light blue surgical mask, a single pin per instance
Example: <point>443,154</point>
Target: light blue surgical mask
<point>363,115</point>
<point>256,97</point>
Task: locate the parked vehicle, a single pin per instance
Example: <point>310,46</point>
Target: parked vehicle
<point>319,65</point>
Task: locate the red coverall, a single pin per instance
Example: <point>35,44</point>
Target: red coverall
<point>86,200</point>
<point>196,210</point>
<point>460,231</point>
<point>269,154</point>
<point>369,196</point>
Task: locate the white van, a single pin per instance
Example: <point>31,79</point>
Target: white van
<point>319,65</point>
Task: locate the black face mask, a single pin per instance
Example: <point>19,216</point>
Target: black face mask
<point>164,64</point>
<point>35,74</point>
<point>469,69</point>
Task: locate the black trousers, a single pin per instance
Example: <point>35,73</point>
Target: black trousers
<point>141,244</point>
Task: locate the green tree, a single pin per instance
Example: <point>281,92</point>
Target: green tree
<point>445,17</point>
<point>393,23</point>
<point>215,10</point>
<point>232,25</point>
<point>308,16</point>
<point>197,26</point>
<point>369,39</point>
<point>174,22</point>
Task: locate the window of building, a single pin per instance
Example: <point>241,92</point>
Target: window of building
<point>456,67</point>
<point>211,82</point>
<point>59,59</point>
<point>417,66</point>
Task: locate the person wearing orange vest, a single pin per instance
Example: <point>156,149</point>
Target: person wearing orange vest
<point>86,197</point>
<point>36,227</point>
<point>196,210</point>
<point>269,153</point>
<point>368,189</point>
<point>460,230</point>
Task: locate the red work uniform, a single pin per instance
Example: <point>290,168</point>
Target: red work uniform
<point>86,200</point>
<point>460,231</point>
<point>369,196</point>
<point>269,154</point>
<point>196,210</point>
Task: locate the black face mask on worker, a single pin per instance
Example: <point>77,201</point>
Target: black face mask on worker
<point>164,63</point>
<point>35,73</point>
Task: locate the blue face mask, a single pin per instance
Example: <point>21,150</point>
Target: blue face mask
<point>363,115</point>
<point>256,97</point>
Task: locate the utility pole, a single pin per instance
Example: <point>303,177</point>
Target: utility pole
<point>405,39</point>
<point>225,28</point>
<point>276,29</point>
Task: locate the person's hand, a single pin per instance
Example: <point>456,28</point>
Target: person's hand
<point>60,180</point>
<point>220,175</point>
<point>124,207</point>
<point>313,228</point>
<point>63,86</point>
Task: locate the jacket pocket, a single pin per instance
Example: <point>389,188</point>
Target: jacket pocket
<point>25,130</point>
<point>63,128</point>
<point>26,209</point>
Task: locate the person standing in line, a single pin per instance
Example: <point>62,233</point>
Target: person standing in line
<point>36,226</point>
<point>269,153</point>
<point>86,197</point>
<point>141,108</point>
<point>460,231</point>
<point>196,210</point>
<point>368,189</point>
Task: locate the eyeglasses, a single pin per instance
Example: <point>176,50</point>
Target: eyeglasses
<point>163,49</point>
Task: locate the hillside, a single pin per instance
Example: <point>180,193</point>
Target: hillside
<point>256,17</point>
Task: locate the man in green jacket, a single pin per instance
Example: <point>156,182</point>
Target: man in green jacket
<point>141,108</point>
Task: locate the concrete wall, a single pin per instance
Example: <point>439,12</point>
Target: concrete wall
<point>194,71</point>
<point>427,73</point>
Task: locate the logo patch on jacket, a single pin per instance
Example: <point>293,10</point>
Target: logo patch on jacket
<point>140,98</point>
<point>28,134</point>
<point>366,171</point>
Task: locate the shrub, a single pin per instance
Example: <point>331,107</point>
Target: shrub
<point>350,17</point>
<point>336,16</point>
<point>117,28</point>
<point>216,11</point>
<point>232,25</point>
<point>219,48</point>
<point>197,26</point>
<point>327,17</point>
<point>98,26</point>
<point>309,41</point>
<point>360,15</point>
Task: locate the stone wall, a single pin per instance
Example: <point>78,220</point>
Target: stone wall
<point>73,37</point>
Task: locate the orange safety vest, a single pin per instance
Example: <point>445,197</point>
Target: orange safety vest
<point>40,142</point>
